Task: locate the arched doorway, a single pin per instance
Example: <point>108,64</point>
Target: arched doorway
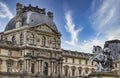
<point>45,68</point>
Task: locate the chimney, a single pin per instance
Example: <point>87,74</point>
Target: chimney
<point>50,15</point>
<point>18,15</point>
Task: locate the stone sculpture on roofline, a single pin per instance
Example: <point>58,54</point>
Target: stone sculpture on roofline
<point>103,58</point>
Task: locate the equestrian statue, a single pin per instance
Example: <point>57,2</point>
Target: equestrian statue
<point>103,58</point>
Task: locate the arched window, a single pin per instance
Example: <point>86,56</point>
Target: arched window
<point>43,41</point>
<point>86,70</point>
<point>66,72</point>
<point>13,39</point>
<point>45,68</point>
<point>21,39</point>
<point>32,68</point>
<point>73,72</point>
<point>80,72</point>
<point>9,65</point>
<point>20,66</point>
<point>32,39</point>
<point>92,70</point>
<point>66,68</point>
<point>53,43</point>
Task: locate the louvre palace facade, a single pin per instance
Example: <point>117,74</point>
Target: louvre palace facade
<point>30,47</point>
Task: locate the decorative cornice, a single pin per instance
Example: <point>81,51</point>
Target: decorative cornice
<point>76,54</point>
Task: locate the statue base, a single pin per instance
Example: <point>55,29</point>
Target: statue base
<point>103,75</point>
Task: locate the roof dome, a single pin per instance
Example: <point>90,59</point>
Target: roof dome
<point>30,18</point>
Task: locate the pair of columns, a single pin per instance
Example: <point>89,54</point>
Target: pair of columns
<point>52,67</point>
<point>28,66</point>
<point>39,62</point>
<point>60,68</point>
<point>56,68</point>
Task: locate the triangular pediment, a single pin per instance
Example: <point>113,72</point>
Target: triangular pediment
<point>44,28</point>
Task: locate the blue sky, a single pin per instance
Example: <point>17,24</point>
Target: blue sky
<point>82,23</point>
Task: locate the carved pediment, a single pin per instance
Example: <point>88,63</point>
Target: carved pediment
<point>45,28</point>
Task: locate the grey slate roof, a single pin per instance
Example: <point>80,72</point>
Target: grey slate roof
<point>31,19</point>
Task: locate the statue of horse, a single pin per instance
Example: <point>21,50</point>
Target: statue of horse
<point>103,58</point>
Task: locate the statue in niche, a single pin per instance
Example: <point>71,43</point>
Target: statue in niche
<point>103,58</point>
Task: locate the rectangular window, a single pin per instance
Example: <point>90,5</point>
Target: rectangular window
<point>20,53</point>
<point>86,62</point>
<point>0,51</point>
<point>79,61</point>
<point>66,60</point>
<point>73,60</point>
<point>32,52</point>
<point>9,53</point>
<point>116,65</point>
<point>9,67</point>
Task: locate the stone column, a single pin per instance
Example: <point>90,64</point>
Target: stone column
<point>38,62</point>
<point>61,69</point>
<point>25,37</point>
<point>41,70</point>
<point>60,66</point>
<point>54,68</point>
<point>25,65</point>
<point>29,66</point>
<point>51,67</point>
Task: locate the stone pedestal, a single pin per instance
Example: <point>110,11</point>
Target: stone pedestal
<point>103,75</point>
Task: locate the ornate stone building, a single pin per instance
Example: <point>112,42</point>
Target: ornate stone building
<point>30,47</point>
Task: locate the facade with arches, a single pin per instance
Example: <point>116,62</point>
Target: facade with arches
<point>32,49</point>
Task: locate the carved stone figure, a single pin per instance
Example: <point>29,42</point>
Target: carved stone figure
<point>103,58</point>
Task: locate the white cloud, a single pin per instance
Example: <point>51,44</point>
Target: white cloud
<point>105,22</point>
<point>4,11</point>
<point>87,45</point>
<point>70,27</point>
<point>106,19</point>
